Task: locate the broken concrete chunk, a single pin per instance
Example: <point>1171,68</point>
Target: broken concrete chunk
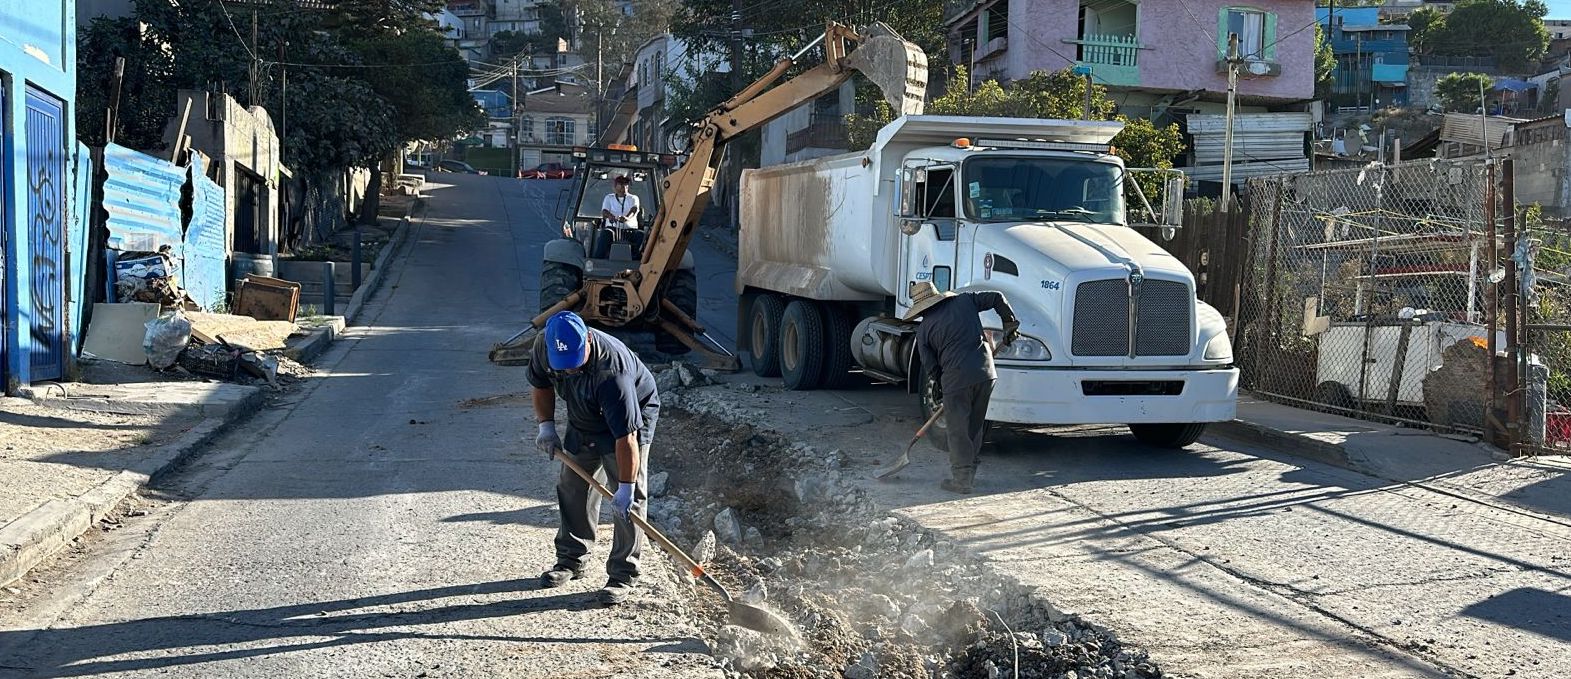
<point>752,536</point>
<point>884,607</point>
<point>920,560</point>
<point>865,667</point>
<point>705,551</point>
<point>727,527</point>
<point>667,382</point>
<point>657,484</point>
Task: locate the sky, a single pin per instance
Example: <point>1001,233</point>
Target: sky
<point>1558,9</point>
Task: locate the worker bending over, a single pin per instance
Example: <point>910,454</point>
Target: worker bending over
<point>953,347</point>
<point>612,405</point>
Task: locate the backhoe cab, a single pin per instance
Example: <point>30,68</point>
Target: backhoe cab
<point>591,248</point>
<point>649,294</point>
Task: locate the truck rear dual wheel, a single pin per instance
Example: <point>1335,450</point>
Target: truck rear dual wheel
<point>763,323</point>
<point>802,345</point>
<point>1176,435</point>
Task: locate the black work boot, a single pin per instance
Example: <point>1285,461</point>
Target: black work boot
<point>559,575</point>
<point>955,486</point>
<point>616,592</point>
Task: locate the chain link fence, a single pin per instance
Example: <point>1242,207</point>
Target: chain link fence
<point>1364,292</point>
<point>1546,252</point>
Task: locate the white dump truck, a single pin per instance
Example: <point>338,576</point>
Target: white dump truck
<point>1035,209</point>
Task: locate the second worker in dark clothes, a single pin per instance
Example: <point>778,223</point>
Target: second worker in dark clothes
<point>612,405</point>
<point>952,345</point>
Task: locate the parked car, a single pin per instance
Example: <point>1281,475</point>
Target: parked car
<point>457,166</point>
<point>549,171</point>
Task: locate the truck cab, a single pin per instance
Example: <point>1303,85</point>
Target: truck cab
<point>1035,209</point>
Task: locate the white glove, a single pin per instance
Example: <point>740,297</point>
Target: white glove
<point>547,440</point>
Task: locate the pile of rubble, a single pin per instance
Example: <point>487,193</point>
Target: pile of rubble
<point>873,595</point>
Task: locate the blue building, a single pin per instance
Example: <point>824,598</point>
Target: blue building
<point>1371,57</point>
<point>45,185</point>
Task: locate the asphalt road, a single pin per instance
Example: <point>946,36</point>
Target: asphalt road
<point>383,521</point>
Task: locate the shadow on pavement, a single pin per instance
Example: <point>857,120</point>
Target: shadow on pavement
<point>91,650</point>
<point>1528,609</point>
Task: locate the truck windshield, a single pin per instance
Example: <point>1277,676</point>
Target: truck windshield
<point>1016,188</point>
<point>597,187</point>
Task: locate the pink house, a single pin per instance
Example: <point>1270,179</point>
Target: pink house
<point>1154,56</point>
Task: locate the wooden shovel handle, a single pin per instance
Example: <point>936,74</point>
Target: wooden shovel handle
<point>651,531</point>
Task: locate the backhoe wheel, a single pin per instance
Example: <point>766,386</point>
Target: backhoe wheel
<point>763,324</point>
<point>1176,435</point>
<point>683,292</point>
<point>557,281</point>
<point>802,345</point>
<point>838,362</point>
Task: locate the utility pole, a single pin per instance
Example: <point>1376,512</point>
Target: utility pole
<point>518,123</point>
<point>255,67</point>
<point>1233,61</point>
<point>599,81</point>
<point>733,151</point>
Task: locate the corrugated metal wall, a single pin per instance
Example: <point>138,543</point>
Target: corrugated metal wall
<point>1263,144</point>
<point>205,240</point>
<point>142,199</point>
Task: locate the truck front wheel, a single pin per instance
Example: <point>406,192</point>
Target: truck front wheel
<point>1177,435</point>
<point>802,345</point>
<point>763,325</point>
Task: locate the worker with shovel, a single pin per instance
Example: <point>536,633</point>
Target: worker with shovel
<point>612,405</point>
<point>951,344</point>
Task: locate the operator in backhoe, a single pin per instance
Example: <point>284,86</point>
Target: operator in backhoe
<point>620,209</point>
<point>612,405</point>
<point>953,346</point>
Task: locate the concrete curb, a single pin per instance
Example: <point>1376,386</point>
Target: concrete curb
<point>369,286</point>
<point>1298,445</point>
<point>317,341</point>
<point>40,533</point>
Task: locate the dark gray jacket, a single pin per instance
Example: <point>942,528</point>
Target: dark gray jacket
<point>950,340</point>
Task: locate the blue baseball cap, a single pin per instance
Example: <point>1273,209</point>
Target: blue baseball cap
<point>567,341</point>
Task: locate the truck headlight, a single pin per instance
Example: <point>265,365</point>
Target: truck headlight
<point>1022,349</point>
<point>1220,348</point>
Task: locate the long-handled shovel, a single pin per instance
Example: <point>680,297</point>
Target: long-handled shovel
<point>905,456</point>
<point>741,615</point>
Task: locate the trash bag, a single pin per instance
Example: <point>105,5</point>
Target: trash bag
<point>166,337</point>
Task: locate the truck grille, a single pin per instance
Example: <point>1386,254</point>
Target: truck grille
<point>1101,323</point>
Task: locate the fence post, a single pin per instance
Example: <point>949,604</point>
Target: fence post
<point>355,260</point>
<point>1491,306</point>
<point>1270,281</point>
<point>1514,401</point>
<point>329,291</point>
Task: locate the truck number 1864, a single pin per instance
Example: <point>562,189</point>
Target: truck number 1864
<point>1051,285</point>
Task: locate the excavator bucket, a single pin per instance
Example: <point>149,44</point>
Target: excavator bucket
<point>897,67</point>
<point>517,349</point>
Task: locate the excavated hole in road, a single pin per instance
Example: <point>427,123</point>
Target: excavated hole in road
<point>873,595</point>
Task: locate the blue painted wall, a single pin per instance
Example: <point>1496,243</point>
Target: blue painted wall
<point>38,51</point>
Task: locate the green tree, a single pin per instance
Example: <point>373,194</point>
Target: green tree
<point>1459,92</point>
<point>1325,64</point>
<point>1426,24</point>
<point>1510,31</point>
<point>1044,94</point>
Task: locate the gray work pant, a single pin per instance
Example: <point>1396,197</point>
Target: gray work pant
<point>579,506</point>
<point>965,421</point>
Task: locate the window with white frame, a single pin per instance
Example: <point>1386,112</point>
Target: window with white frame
<point>1250,26</point>
<point>526,129</point>
<point>560,131</point>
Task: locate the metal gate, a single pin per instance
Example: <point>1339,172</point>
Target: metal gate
<point>46,232</point>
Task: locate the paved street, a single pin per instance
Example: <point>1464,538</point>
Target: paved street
<point>386,522</point>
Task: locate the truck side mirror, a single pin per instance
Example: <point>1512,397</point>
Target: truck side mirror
<point>1173,202</point>
<point>905,190</point>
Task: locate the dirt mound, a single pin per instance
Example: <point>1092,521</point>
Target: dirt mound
<point>873,595</point>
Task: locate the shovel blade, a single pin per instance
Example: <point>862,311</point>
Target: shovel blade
<point>900,463</point>
<point>761,619</point>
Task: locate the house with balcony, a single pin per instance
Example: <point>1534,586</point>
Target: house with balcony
<point>473,38</point>
<point>1371,58</point>
<point>1157,59</point>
